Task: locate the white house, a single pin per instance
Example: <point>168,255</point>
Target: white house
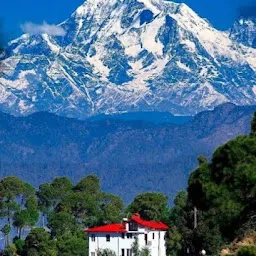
<point>121,236</point>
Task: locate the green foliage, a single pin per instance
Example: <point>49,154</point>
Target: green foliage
<point>150,206</point>
<point>89,185</point>
<point>21,219</point>
<point>11,188</point>
<point>19,243</point>
<point>6,229</point>
<point>45,196</point>
<point>62,223</point>
<point>112,207</point>
<point>179,213</point>
<point>13,194</point>
<point>175,242</point>
<point>90,205</point>
<point>145,252</point>
<point>202,160</point>
<point>135,247</point>
<point>27,217</point>
<point>39,243</point>
<point>178,221</point>
<point>60,188</point>
<point>50,194</point>
<point>253,125</point>
<point>10,250</point>
<point>83,206</point>
<point>207,236</point>
<point>68,210</point>
<point>223,191</point>
<point>72,245</point>
<point>247,251</point>
<point>136,250</point>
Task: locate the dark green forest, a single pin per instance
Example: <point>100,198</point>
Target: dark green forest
<point>218,208</point>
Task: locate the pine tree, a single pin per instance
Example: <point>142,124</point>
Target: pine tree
<point>135,247</point>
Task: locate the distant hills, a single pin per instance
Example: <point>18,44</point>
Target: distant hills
<point>153,117</point>
<point>130,156</point>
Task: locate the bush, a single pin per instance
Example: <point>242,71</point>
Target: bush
<point>19,243</point>
<point>10,250</point>
<point>247,251</point>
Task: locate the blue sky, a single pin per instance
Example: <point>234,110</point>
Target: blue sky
<point>13,13</point>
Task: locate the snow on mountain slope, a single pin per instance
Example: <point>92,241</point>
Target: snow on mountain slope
<point>244,31</point>
<point>128,55</point>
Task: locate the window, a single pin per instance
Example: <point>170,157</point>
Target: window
<point>146,239</point>
<point>129,235</point>
<point>133,226</point>
<point>129,252</point>
<point>122,252</point>
<point>93,237</point>
<point>108,238</point>
<point>92,253</point>
<point>153,236</point>
<point>123,235</point>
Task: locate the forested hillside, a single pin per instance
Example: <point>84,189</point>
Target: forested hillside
<point>223,194</point>
<point>217,210</point>
<point>129,156</point>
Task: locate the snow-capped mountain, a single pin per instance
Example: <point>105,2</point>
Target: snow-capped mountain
<point>244,31</point>
<point>128,55</point>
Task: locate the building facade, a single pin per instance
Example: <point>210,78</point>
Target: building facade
<point>120,237</point>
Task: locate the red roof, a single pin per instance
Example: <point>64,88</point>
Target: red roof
<point>111,228</point>
<point>120,227</point>
<point>149,224</point>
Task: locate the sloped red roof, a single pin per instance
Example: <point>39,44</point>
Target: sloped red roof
<point>111,228</point>
<point>149,224</point>
<point>120,227</point>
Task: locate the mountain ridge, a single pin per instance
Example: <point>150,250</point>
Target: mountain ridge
<point>43,146</point>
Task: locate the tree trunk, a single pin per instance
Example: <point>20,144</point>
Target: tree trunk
<point>195,217</point>
<point>20,230</point>
<point>43,219</point>
<point>8,239</point>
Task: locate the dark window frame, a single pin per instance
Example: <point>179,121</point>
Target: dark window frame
<point>129,252</point>
<point>146,239</point>
<point>133,226</point>
<point>129,235</point>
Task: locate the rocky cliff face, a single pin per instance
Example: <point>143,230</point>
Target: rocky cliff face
<point>244,31</point>
<point>124,56</point>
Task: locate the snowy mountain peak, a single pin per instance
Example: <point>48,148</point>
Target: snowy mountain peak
<point>128,55</point>
<point>91,6</point>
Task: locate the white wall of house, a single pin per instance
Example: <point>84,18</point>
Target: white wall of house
<point>121,244</point>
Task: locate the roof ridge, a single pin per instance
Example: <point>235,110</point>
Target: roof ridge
<point>121,227</point>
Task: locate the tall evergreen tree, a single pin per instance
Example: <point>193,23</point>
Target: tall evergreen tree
<point>253,125</point>
<point>151,206</point>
